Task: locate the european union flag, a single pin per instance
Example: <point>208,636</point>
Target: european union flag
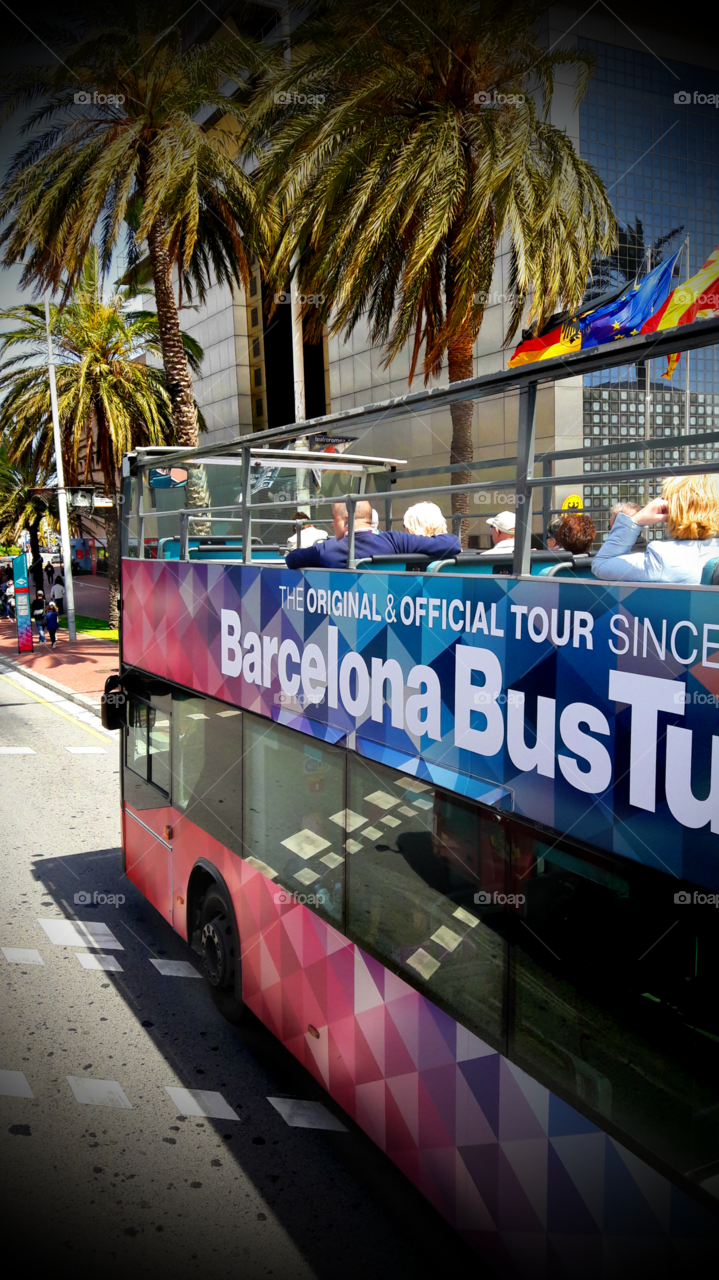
<point>624,317</point>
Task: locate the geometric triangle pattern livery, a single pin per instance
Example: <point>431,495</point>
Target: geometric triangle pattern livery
<point>534,1187</point>
<point>582,649</point>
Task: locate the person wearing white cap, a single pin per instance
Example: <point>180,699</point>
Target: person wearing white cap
<point>502,534</point>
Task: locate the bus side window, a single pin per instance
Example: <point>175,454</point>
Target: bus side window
<point>427,891</point>
<point>207,766</point>
<point>147,755</point>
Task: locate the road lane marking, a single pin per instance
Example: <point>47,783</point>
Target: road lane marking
<point>87,751</point>
<point>176,969</point>
<point>80,933</point>
<point>22,955</point>
<point>301,1114</point>
<point>58,711</point>
<point>16,751</point>
<point>98,1093</point>
<point>201,1102</point>
<point>14,1085</point>
<point>90,960</point>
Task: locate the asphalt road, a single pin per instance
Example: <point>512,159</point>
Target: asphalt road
<point>141,1189</point>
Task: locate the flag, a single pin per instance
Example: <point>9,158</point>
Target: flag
<point>559,341</point>
<point>619,314</point>
<point>625,317</point>
<point>695,299</point>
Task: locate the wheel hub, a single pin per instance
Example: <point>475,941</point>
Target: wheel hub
<point>214,953</point>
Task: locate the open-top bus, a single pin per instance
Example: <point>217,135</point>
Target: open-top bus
<point>452,835</point>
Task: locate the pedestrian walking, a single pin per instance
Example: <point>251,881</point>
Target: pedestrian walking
<point>51,621</point>
<point>58,594</point>
<point>10,598</point>
<point>49,572</point>
<point>37,610</point>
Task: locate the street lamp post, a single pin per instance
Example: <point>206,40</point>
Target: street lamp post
<point>61,494</point>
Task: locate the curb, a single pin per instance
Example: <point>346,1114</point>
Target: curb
<point>53,686</point>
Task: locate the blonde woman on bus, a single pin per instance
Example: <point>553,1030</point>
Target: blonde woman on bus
<point>425,519</point>
<point>689,507</point>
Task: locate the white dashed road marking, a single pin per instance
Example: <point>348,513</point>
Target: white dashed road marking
<point>301,1114</point>
<point>22,955</point>
<point>201,1102</point>
<point>90,960</point>
<point>176,969</point>
<point>16,751</point>
<point>98,1093</point>
<point>86,751</point>
<point>81,933</point>
<point>14,1085</point>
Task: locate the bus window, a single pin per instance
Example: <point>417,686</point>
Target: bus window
<point>427,891</point>
<point>294,813</point>
<point>207,742</point>
<point>614,979</point>
<point>147,752</point>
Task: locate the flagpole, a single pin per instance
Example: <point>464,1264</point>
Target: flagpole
<point>687,367</point>
<point>647,389</point>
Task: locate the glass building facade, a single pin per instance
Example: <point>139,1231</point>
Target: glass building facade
<point>658,155</point>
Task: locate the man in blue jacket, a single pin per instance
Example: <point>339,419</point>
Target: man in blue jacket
<point>332,554</point>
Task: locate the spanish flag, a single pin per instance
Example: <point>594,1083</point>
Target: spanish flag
<point>695,299</point>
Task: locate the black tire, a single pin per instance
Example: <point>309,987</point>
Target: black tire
<point>220,954</point>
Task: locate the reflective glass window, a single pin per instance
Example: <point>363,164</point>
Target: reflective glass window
<point>208,766</point>
<point>294,813</point>
<point>427,890</point>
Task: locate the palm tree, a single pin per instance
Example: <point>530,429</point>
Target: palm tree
<point>132,154</point>
<point>629,257</point>
<point>405,146</point>
<point>23,506</point>
<point>109,400</point>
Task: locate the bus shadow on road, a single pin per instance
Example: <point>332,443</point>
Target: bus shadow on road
<point>341,1201</point>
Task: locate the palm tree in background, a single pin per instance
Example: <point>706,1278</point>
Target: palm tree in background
<point>405,148</point>
<point>23,507</point>
<point>629,258</point>
<point>131,158</point>
<point>109,399</point>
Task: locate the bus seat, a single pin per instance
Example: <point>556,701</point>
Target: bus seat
<point>579,567</point>
<point>409,563</point>
<point>710,573</point>
<point>477,562</point>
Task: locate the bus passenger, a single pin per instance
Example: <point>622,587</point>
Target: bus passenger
<point>689,506</point>
<point>502,527</point>
<point>425,519</point>
<point>332,554</point>
<point>630,509</point>
<point>575,533</point>
<point>309,535</point>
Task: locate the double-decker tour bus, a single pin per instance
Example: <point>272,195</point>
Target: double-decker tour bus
<point>452,834</point>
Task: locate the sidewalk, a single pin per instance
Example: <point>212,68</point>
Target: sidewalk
<point>78,670</point>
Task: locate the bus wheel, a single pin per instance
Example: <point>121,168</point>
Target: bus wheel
<point>220,961</point>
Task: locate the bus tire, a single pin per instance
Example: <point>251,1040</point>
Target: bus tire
<point>220,954</point>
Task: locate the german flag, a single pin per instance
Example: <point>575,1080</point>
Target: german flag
<point>562,340</point>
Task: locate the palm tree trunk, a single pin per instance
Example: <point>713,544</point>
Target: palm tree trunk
<point>37,566</point>
<point>460,362</point>
<point>177,370</point>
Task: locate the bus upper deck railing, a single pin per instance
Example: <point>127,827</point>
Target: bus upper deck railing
<point>524,380</point>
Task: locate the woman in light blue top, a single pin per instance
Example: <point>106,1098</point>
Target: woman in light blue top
<point>689,506</point>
